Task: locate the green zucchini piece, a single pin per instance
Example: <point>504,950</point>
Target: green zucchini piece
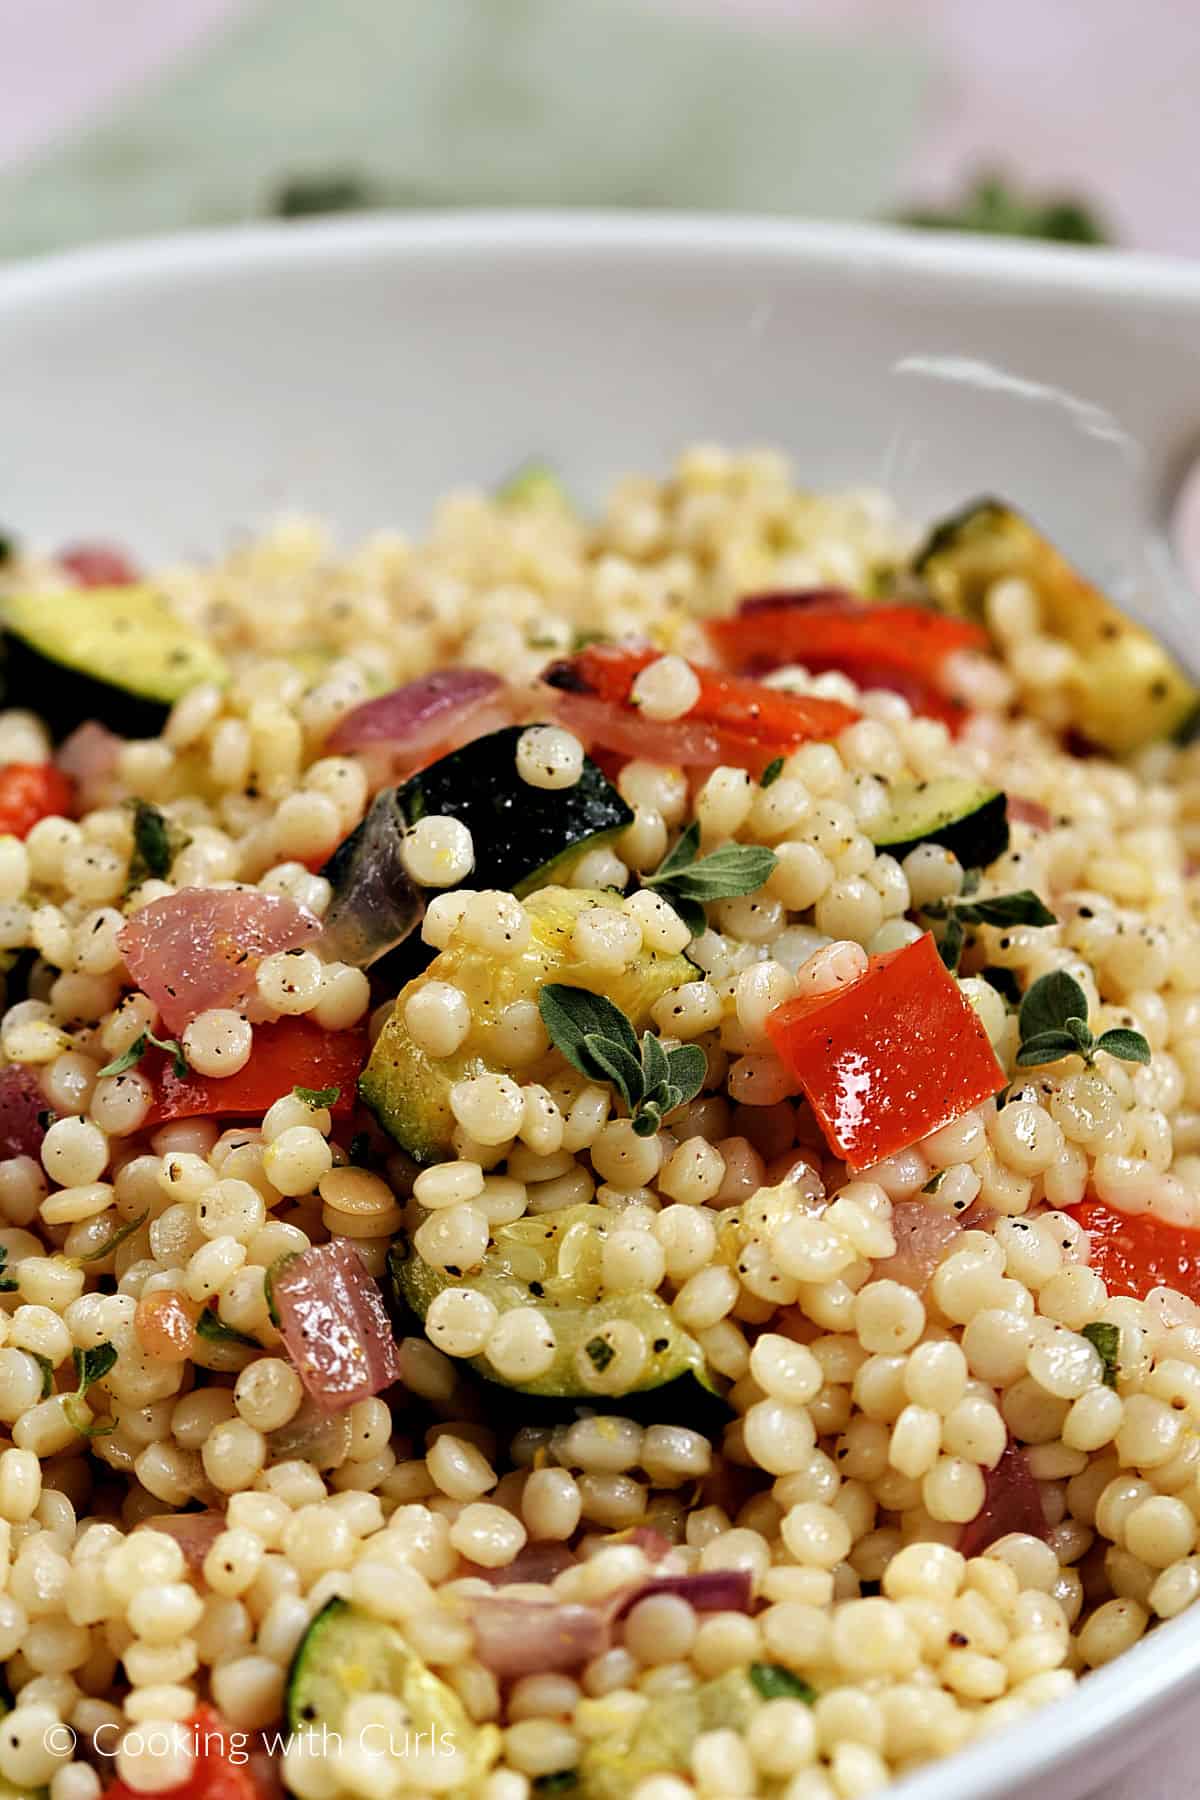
<point>117,654</point>
<point>346,1654</point>
<point>1127,690</point>
<point>409,1091</point>
<point>661,1742</point>
<point>552,1261</point>
<point>524,836</point>
<point>968,817</point>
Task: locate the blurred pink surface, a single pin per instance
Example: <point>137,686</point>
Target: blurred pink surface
<point>1097,95</point>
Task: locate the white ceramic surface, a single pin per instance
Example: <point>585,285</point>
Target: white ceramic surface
<point>171,394</point>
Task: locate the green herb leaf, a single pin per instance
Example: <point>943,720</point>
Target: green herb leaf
<point>1106,1339</point>
<point>214,1330</point>
<point>950,944</point>
<point>1078,1030</point>
<point>8,1283</point>
<point>561,1782</point>
<point>688,1067</point>
<point>93,1365</point>
<point>774,1682</point>
<point>1046,1047</point>
<point>648,1119</point>
<point>110,1244</point>
<point>655,1068</point>
<point>771,773</point>
<point>599,1352</point>
<point>328,1096</point>
<point>1022,908</point>
<point>571,1014</point>
<point>935,1182</point>
<point>1004,982</point>
<point>730,871</point>
<point>1050,1002</point>
<point>155,844</point>
<point>691,912</point>
<point>619,1066</point>
<point>129,1058</point>
<point>681,855</point>
<point>47,1368</point>
<point>1129,1046</point>
<point>78,1416</point>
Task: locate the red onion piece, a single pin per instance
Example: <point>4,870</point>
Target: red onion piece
<point>536,1562</point>
<point>1012,1501</point>
<point>97,565</point>
<point>418,715</point>
<point>715,1590</point>
<point>334,1326</point>
<point>1029,812</point>
<point>800,600</point>
<point>527,1637</point>
<point>194,1532</point>
<point>200,947</point>
<point>375,904</point>
<point>923,1234</point>
<point>21,1101</point>
<point>89,757</point>
<point>684,742</point>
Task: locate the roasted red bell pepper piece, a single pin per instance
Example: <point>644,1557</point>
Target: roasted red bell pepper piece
<point>29,792</point>
<point>1134,1252</point>
<point>903,648</point>
<point>888,1058</point>
<point>221,1766</point>
<point>291,1053</point>
<point>97,565</point>
<point>734,720</point>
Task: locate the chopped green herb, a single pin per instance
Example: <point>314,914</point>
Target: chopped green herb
<point>8,1283</point>
<point>333,191</point>
<point>1106,1340</point>
<point>47,1368</point>
<point>1053,1024</point>
<point>214,1330</point>
<point>597,1039</point>
<point>131,1057</point>
<point>994,206</point>
<point>328,1096</point>
<point>935,1182</point>
<point>725,874</point>
<point>1022,908</point>
<point>950,944</point>
<point>93,1365</point>
<point>156,844</point>
<point>600,1352</point>
<point>774,1682</point>
<point>771,773</point>
<point>1004,982</point>
<point>110,1244</point>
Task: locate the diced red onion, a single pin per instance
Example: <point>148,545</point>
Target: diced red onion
<point>686,742</point>
<point>1012,1501</point>
<point>715,1590</point>
<point>89,756</point>
<point>194,1532</point>
<point>375,904</point>
<point>334,1326</point>
<point>311,1435</point>
<point>200,947</point>
<point>536,1562</point>
<point>923,1234</point>
<point>527,1637</point>
<point>1029,812</point>
<point>21,1102</point>
<point>419,715</point>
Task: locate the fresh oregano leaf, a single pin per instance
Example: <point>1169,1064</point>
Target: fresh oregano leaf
<point>570,1014</point>
<point>1129,1046</point>
<point>8,1283</point>
<point>688,1067</point>
<point>214,1330</point>
<point>599,1353</point>
<point>1022,908</point>
<point>327,1096</point>
<point>680,856</point>
<point>771,773</point>
<point>93,1365</point>
<point>655,1067</point>
<point>1050,1002</point>
<point>156,843</point>
<point>691,912</point>
<point>950,944</point>
<point>47,1368</point>
<point>647,1119</point>
<point>1106,1340</point>
<point>138,1049</point>
<point>1046,1047</point>
<point>730,871</point>
<point>117,1238</point>
<point>619,1066</point>
<point>1004,982</point>
<point>774,1682</point>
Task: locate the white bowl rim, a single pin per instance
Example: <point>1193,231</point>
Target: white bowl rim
<point>1162,1667</point>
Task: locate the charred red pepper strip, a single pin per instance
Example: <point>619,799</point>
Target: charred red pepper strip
<point>29,792</point>
<point>888,1058</point>
<point>744,722</point>
<point>1134,1252</point>
<point>291,1053</point>
<point>903,648</point>
<point>220,1770</point>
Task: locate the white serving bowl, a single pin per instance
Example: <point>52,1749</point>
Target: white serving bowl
<point>169,395</point>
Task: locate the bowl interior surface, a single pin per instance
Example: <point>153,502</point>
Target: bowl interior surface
<point>173,396</point>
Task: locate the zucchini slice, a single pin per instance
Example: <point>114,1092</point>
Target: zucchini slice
<point>967,817</point>
<point>346,1655</point>
<point>409,1091</point>
<point>661,1742</point>
<point>1127,689</point>
<point>552,1261</point>
<point>523,836</point>
<point>116,654</point>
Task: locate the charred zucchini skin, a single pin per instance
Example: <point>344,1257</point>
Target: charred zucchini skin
<point>111,654</point>
<point>522,834</point>
<point>965,817</point>
<point>1128,690</point>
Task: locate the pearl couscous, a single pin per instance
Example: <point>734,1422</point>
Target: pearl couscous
<point>601,1150</point>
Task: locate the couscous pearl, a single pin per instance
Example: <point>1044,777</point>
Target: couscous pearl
<point>549,757</point>
<point>439,851</point>
<point>218,1042</point>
